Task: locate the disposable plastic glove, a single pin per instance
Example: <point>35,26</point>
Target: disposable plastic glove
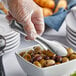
<point>27,13</point>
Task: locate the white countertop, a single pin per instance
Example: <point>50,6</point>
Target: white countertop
<point>11,65</point>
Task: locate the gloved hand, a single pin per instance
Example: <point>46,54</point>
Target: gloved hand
<point>29,14</point>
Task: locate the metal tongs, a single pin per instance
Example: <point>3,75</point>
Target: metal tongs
<point>53,46</point>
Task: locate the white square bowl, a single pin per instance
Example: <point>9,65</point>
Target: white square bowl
<point>56,70</point>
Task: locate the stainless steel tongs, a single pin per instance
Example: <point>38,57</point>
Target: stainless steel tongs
<point>53,46</point>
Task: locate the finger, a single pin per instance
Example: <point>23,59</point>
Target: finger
<point>30,29</point>
<point>9,17</point>
<point>27,38</point>
<point>38,21</point>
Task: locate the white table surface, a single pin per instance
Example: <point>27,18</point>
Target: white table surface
<point>11,65</point>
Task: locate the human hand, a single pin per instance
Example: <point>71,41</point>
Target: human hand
<point>27,13</point>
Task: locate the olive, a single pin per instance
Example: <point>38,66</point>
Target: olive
<point>37,64</point>
<point>43,62</point>
<point>22,53</point>
<point>37,57</point>
<point>30,52</point>
<point>46,58</point>
<point>49,53</point>
<point>44,52</point>
<point>58,63</point>
<point>43,55</point>
<point>74,53</point>
<point>31,60</point>
<point>50,62</point>
<point>70,51</point>
<point>65,59</point>
<point>58,59</point>
<point>72,56</point>
<point>27,57</point>
<point>37,50</point>
<point>53,57</point>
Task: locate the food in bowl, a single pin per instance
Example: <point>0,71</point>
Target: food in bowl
<point>45,58</point>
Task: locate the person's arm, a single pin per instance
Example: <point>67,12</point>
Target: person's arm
<point>27,13</point>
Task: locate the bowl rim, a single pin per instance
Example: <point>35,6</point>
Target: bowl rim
<point>67,22</point>
<point>70,42</point>
<point>72,32</point>
<point>17,54</point>
<point>71,36</point>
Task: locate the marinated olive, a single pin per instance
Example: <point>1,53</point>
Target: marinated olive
<point>58,63</point>
<point>46,58</point>
<point>74,53</point>
<point>49,53</point>
<point>54,57</point>
<point>50,62</point>
<point>58,59</point>
<point>37,57</point>
<point>43,62</point>
<point>44,52</point>
<point>31,60</point>
<point>37,64</point>
<point>65,59</point>
<point>43,55</point>
<point>27,57</point>
<point>72,56</point>
<point>22,53</point>
<point>30,52</point>
<point>70,51</point>
<point>37,50</point>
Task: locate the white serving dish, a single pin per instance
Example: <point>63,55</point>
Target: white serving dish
<point>13,42</point>
<point>12,45</point>
<point>73,9</point>
<point>71,41</point>
<point>56,70</point>
<point>5,29</point>
<point>71,36</point>
<point>12,48</point>
<point>71,21</point>
<point>71,31</point>
<point>13,38</point>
